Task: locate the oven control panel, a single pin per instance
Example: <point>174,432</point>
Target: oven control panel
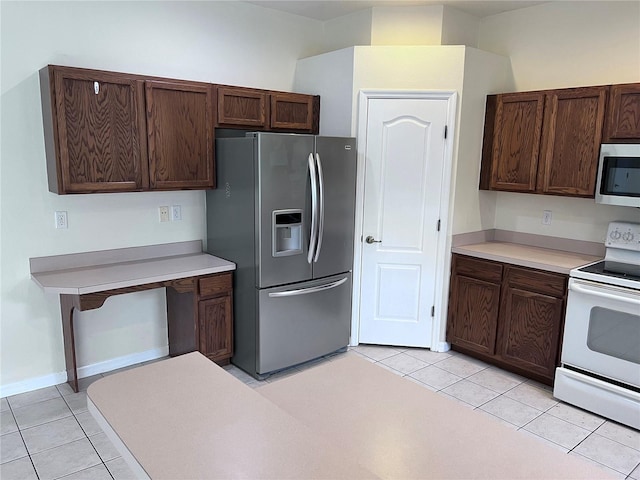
<point>624,235</point>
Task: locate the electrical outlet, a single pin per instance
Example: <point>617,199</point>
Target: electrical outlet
<point>176,213</point>
<point>164,214</point>
<point>546,217</point>
<point>61,219</point>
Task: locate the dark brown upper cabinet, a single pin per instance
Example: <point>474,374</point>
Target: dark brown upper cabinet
<point>119,132</point>
<point>543,142</point>
<point>291,111</point>
<point>95,134</point>
<point>243,107</point>
<point>623,118</point>
<point>516,141</point>
<point>248,108</point>
<point>180,123</point>
<point>571,140</point>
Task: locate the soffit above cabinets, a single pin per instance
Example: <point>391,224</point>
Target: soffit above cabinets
<point>327,10</point>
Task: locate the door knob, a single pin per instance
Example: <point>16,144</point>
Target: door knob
<point>370,239</point>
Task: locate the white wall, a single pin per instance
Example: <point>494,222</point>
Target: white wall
<point>221,42</point>
<point>459,28</point>
<point>420,25</point>
<point>484,73</point>
<point>347,31</point>
<point>557,45</point>
<point>329,75</point>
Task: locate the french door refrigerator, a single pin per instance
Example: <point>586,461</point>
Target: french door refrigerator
<point>283,211</point>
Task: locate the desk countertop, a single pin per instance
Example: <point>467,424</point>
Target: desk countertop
<point>527,256</point>
<point>87,278</point>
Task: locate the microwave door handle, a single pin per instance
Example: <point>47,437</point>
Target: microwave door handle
<point>598,293</point>
<point>314,208</point>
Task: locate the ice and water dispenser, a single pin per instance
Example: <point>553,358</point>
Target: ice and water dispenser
<point>287,232</point>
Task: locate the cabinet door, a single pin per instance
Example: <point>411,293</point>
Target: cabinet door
<point>290,111</point>
<point>215,327</point>
<point>623,118</point>
<point>516,141</point>
<point>531,316</point>
<point>97,119</point>
<point>242,107</point>
<point>571,141</point>
<point>474,315</point>
<point>474,304</point>
<point>180,131</point>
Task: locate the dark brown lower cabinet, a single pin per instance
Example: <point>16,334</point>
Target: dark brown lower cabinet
<point>215,332</point>
<point>474,304</point>
<point>507,315</point>
<point>200,317</point>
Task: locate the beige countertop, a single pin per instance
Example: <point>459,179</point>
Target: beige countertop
<point>551,260</point>
<point>186,417</point>
<point>119,275</point>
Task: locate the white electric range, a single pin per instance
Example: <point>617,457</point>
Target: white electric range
<point>600,363</point>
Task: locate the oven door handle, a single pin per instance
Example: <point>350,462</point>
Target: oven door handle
<point>580,288</point>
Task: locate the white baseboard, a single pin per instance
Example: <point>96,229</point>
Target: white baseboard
<point>441,347</point>
<point>86,371</point>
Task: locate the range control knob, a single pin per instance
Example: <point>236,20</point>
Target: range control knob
<point>615,235</point>
<point>627,237</point>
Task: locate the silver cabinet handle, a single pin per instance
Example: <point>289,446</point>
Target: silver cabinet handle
<point>304,291</point>
<point>314,208</point>
<point>321,208</point>
<point>370,239</point>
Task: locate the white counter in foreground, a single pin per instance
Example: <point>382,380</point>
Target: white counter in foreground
<point>187,418</point>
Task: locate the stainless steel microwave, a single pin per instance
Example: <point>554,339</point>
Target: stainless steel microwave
<point>618,180</point>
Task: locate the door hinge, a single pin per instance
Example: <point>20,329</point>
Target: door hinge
<point>433,310</point>
<point>445,131</point>
<point>438,227</point>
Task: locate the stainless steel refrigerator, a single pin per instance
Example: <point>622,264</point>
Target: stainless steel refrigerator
<point>283,211</point>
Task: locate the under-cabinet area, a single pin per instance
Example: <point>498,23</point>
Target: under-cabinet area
<point>548,142</point>
<point>119,132</point>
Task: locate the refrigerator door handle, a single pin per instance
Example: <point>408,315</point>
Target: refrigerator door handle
<point>314,208</point>
<point>321,207</point>
<point>304,291</point>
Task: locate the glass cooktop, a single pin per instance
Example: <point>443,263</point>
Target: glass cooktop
<point>614,269</point>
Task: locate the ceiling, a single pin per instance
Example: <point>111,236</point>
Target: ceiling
<point>329,9</point>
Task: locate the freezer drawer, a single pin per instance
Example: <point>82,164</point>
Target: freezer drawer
<point>302,321</point>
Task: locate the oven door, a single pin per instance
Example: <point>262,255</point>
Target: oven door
<point>602,331</point>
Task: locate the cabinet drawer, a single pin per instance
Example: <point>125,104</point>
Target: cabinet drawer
<point>478,268</point>
<point>215,285</point>
<point>546,283</point>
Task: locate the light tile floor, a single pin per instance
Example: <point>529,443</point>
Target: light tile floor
<point>49,434</point>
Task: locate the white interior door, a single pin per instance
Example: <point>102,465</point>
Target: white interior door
<point>405,151</point>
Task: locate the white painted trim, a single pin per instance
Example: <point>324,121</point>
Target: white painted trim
<point>86,371</point>
<point>441,287</point>
<point>440,346</point>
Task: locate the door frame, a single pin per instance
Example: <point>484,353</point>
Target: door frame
<point>443,257</point>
